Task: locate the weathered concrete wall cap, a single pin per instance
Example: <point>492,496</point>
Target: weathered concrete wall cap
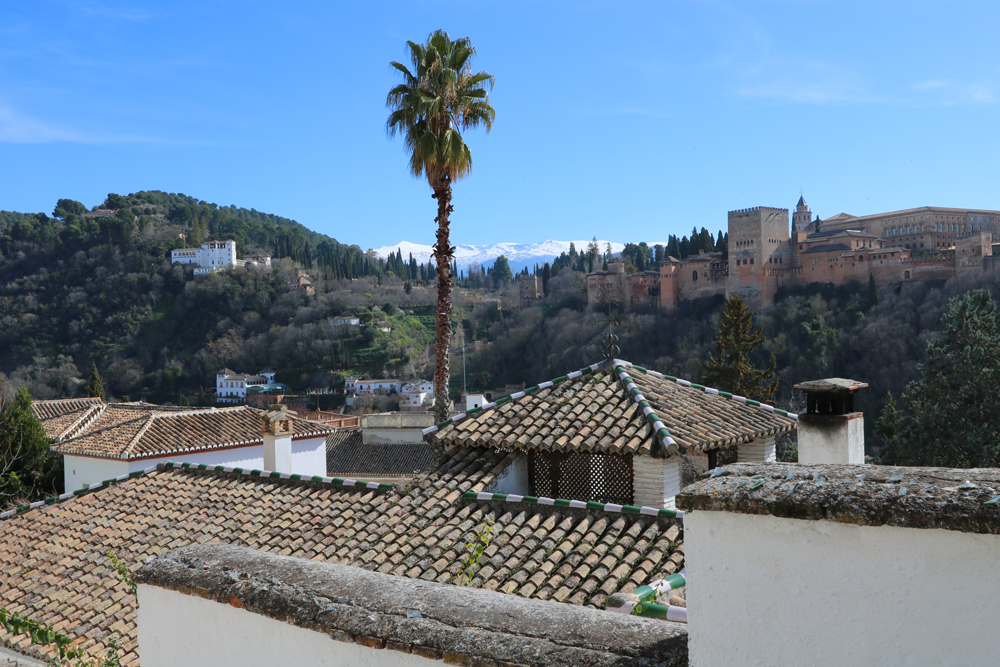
<point>953,499</point>
<point>457,624</point>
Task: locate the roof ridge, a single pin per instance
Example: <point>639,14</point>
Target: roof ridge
<point>348,482</point>
<point>102,430</point>
<point>132,443</point>
<point>655,423</point>
<point>578,504</point>
<point>711,390</point>
<point>516,396</point>
<point>207,469</point>
<point>73,494</point>
<point>90,414</point>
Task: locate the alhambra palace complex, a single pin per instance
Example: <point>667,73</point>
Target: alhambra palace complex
<point>914,244</point>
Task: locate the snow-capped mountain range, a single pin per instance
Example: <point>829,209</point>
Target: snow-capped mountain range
<point>518,255</point>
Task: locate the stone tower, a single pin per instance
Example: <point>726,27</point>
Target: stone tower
<point>802,216</point>
<point>758,252</point>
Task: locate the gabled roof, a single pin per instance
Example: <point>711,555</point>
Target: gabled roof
<point>62,417</point>
<point>54,565</point>
<point>703,257</point>
<point>347,454</point>
<point>841,232</point>
<point>47,409</point>
<point>137,431</point>
<point>826,247</point>
<point>617,408</point>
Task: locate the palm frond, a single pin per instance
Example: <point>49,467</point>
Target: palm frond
<point>439,97</point>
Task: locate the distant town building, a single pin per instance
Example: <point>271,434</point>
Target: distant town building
<point>764,254</point>
<point>414,395</point>
<point>98,214</point>
<point>529,290</point>
<point>231,387</point>
<point>346,323</point>
<point>216,256</point>
<point>300,285</point>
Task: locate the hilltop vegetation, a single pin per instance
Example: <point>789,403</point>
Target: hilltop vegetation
<point>814,332</point>
<point>76,290</point>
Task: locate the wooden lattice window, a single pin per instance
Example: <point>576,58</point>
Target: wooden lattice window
<point>604,478</point>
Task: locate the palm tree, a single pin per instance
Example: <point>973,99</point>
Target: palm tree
<point>436,101</point>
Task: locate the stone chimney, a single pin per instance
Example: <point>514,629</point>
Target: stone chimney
<point>277,430</point>
<point>830,431</point>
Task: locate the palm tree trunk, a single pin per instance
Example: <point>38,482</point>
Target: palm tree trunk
<point>443,253</point>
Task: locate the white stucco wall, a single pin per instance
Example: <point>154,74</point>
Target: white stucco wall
<point>308,458</point>
<point>780,592</point>
<point>177,630</point>
<point>82,471</point>
<point>655,481</point>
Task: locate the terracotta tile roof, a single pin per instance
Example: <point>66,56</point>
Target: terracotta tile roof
<point>54,568</point>
<point>136,431</point>
<point>60,406</point>
<point>60,416</point>
<point>346,454</point>
<point>615,408</point>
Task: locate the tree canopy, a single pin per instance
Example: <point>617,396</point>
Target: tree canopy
<point>948,416</point>
<point>28,469</point>
<point>731,368</point>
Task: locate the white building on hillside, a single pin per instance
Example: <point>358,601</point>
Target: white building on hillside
<point>216,256</point>
<point>231,387</point>
<point>359,386</point>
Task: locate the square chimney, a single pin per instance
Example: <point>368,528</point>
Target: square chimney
<point>276,426</point>
<point>830,430</point>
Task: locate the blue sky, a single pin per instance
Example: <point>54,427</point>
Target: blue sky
<point>625,120</point>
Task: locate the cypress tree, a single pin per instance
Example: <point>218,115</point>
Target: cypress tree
<point>731,368</point>
<point>95,388</point>
<point>872,291</point>
<point>948,417</point>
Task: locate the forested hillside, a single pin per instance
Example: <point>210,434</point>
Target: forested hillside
<point>813,332</point>
<point>76,290</point>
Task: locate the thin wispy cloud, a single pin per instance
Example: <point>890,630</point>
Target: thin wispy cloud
<point>944,92</point>
<point>18,128</point>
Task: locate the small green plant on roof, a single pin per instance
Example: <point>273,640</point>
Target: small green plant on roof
<point>475,550</point>
<point>42,635</point>
<point>124,576</point>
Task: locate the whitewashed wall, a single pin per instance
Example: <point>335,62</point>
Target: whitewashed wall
<point>308,458</point>
<point>177,630</point>
<point>782,592</point>
<point>656,481</point>
<point>82,471</point>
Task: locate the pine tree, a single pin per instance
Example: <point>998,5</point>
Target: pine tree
<point>95,388</point>
<point>872,291</point>
<point>731,368</point>
<point>948,417</point>
<point>28,468</point>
